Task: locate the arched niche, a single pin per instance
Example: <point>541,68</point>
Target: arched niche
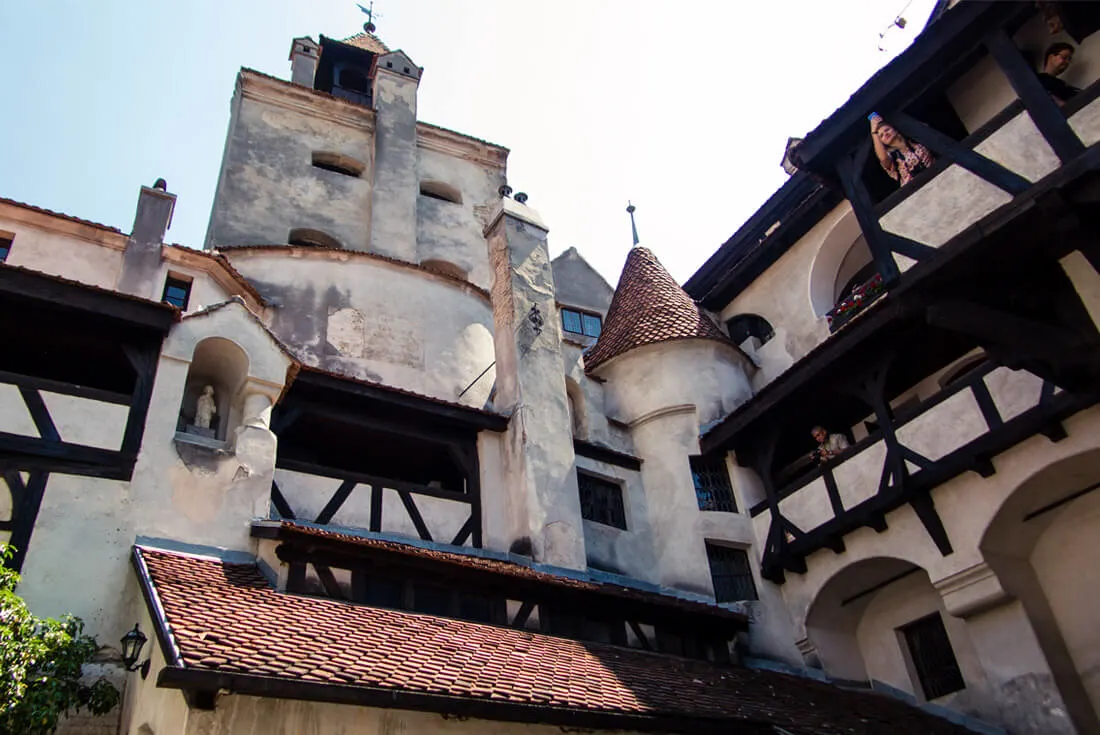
<point>307,237</point>
<point>222,365</point>
<point>440,190</point>
<point>744,327</point>
<point>830,259</point>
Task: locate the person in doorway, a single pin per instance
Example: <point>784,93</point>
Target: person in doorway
<point>1056,60</point>
<point>828,445</point>
<point>901,158</point>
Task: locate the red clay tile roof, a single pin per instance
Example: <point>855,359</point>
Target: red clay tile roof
<point>367,42</point>
<point>648,307</point>
<point>288,530</point>
<point>224,619</point>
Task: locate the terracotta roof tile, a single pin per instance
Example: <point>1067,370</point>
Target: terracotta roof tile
<point>224,618</point>
<point>367,42</point>
<point>290,529</point>
<point>648,307</point>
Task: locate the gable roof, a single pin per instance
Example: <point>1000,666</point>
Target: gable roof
<point>221,625</point>
<point>648,307</point>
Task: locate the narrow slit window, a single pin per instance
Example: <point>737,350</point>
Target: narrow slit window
<point>731,574</point>
<point>338,163</point>
<point>5,247</point>
<point>932,656</point>
<point>579,322</point>
<point>601,500</point>
<point>177,292</point>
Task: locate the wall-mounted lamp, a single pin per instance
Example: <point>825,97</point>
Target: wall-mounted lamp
<point>132,643</point>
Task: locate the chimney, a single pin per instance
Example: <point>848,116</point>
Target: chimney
<point>141,260</point>
<point>304,53</point>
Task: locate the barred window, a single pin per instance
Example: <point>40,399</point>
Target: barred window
<point>729,569</point>
<point>932,656</point>
<point>712,484</point>
<point>601,500</point>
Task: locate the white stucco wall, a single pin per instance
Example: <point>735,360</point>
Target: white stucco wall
<point>376,320</point>
<point>78,253</point>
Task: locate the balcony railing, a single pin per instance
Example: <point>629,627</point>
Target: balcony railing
<point>959,429</point>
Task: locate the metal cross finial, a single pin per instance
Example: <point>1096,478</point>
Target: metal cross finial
<point>369,26</point>
<point>633,227</point>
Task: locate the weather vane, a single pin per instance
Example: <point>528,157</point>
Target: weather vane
<point>634,228</point>
<point>369,26</point>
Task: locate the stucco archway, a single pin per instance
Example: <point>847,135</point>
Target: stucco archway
<point>829,260</point>
<point>1042,545</point>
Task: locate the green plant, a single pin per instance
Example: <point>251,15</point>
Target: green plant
<point>41,662</point>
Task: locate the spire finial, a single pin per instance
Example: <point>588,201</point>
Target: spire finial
<point>633,227</point>
<point>369,26</point>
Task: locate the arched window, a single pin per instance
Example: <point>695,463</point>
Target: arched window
<point>306,237</point>
<point>218,370</point>
<point>353,80</point>
<point>744,326</point>
<point>338,163</point>
<point>441,191</point>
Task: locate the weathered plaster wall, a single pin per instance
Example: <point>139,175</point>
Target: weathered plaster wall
<point>268,184</point>
<point>577,284</point>
<point>395,185</point>
<point>375,320</point>
<point>454,232</point>
<point>590,402</point>
<point>81,254</point>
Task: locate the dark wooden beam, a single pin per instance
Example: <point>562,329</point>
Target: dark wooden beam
<point>414,515</point>
<point>864,210</point>
<point>464,532</point>
<point>143,359</point>
<point>64,388</point>
<point>606,454</point>
<point>943,145</point>
<point>925,508</point>
<point>282,507</point>
<point>335,502</point>
<point>1050,121</point>
<point>308,468</point>
<point>19,452</point>
<point>522,614</point>
<point>376,508</point>
<point>24,517</point>
<point>328,581</point>
<point>40,415</point>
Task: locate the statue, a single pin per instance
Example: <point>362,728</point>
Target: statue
<point>205,408</point>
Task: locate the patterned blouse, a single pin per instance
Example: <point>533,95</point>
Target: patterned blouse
<point>910,163</point>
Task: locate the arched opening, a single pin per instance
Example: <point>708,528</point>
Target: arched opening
<point>577,419</point>
<point>338,163</point>
<point>305,237</point>
<point>209,407</point>
<point>441,191</point>
<point>827,263</point>
<point>445,267</point>
<point>745,327</point>
<point>881,620</point>
<point>1042,546</point>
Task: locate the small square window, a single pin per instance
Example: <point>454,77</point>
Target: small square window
<point>5,247</point>
<point>601,500</point>
<point>729,569</point>
<point>932,656</point>
<point>579,322</point>
<point>177,292</point>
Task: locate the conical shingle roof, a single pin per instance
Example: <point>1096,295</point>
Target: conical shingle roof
<point>648,307</point>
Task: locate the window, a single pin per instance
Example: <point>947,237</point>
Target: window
<point>932,657</point>
<point>601,500</point>
<point>177,292</point>
<point>338,163</point>
<point>5,247</point>
<point>743,326</point>
<point>712,484</point>
<point>729,568</point>
<point>579,322</point>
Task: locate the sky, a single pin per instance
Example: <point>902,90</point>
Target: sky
<point>682,108</point>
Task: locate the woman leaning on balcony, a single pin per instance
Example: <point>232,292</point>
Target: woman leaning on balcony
<point>900,158</point>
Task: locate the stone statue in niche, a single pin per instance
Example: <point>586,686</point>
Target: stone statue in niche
<point>205,408</point>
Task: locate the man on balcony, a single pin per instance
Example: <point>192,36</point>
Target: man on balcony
<point>1056,60</point>
<point>828,445</point>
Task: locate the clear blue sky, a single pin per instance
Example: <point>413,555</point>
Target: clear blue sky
<point>683,107</point>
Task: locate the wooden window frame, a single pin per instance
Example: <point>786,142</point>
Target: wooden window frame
<point>581,314</point>
<point>177,281</point>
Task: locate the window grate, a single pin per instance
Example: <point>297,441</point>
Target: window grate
<point>933,658</point>
<point>601,500</point>
<point>729,569</point>
<point>712,484</point>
